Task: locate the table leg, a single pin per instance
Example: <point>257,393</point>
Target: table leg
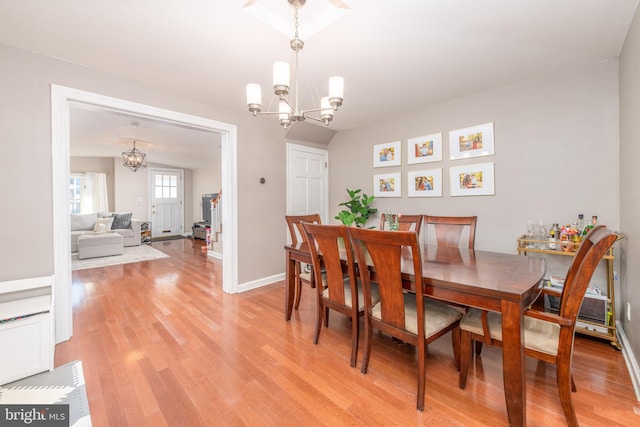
<point>513,364</point>
<point>289,287</point>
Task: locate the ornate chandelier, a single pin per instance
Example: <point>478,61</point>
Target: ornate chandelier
<point>289,112</point>
<point>134,159</point>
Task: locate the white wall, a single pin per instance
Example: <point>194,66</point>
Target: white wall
<point>132,192</point>
<point>629,179</point>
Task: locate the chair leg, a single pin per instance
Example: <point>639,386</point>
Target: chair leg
<point>478,348</point>
<point>319,316</point>
<point>565,382</point>
<point>355,332</point>
<point>465,356</point>
<point>298,285</point>
<point>455,340</point>
<point>422,356</point>
<point>326,317</point>
<point>313,280</point>
<point>368,335</point>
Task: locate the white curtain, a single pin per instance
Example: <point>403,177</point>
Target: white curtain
<point>93,197</point>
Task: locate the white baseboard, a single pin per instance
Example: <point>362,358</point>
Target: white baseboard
<point>214,254</point>
<point>260,282</point>
<point>630,360</point>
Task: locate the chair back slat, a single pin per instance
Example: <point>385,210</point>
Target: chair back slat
<point>385,250</point>
<point>327,245</point>
<point>294,224</point>
<point>448,229</point>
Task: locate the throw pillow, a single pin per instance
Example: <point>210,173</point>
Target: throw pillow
<point>103,225</point>
<point>121,221</point>
<point>83,222</point>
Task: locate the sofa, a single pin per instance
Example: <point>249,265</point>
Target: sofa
<point>105,222</point>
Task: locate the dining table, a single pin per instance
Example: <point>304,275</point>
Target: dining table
<point>493,281</point>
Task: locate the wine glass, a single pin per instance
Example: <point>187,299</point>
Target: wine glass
<point>530,233</point>
<point>542,235</point>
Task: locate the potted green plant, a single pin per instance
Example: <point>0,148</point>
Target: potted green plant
<point>360,209</point>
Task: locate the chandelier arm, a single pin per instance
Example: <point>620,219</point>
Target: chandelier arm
<point>313,110</point>
<point>261,113</point>
<point>325,121</point>
<point>286,101</point>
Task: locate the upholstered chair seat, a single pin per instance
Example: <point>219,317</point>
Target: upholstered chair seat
<point>437,316</point>
<point>539,335</point>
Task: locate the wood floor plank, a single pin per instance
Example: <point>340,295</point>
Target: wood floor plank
<point>163,345</point>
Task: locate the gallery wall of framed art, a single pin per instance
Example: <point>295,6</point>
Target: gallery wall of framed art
<point>476,179</point>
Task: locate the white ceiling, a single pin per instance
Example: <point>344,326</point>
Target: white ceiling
<point>103,133</point>
<point>395,56</point>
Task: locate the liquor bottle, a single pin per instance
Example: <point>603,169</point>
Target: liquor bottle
<point>554,233</point>
<point>580,224</point>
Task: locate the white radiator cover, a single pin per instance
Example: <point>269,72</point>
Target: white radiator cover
<point>27,330</point>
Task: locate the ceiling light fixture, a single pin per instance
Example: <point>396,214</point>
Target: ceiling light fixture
<point>134,159</point>
<point>290,112</point>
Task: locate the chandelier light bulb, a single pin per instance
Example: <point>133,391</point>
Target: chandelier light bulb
<point>281,78</point>
<point>284,115</point>
<point>254,97</point>
<point>326,110</point>
<point>336,91</point>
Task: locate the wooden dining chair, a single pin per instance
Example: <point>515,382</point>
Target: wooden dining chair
<point>404,315</point>
<point>330,247</point>
<point>448,229</point>
<point>298,235</point>
<point>405,222</point>
<point>548,337</point>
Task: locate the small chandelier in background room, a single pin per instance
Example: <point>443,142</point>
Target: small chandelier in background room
<point>289,112</point>
<point>134,159</point>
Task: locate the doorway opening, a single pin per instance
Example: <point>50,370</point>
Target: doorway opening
<point>61,100</point>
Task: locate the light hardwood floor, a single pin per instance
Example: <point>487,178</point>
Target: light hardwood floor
<point>161,344</point>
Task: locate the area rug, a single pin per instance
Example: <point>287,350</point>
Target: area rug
<point>64,385</point>
<point>131,254</point>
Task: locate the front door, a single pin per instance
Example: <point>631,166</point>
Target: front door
<point>166,188</point>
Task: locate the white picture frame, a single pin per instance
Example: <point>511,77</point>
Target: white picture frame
<point>472,180</point>
<point>425,183</point>
<point>474,141</point>
<point>424,149</point>
<point>388,154</point>
<point>387,185</point>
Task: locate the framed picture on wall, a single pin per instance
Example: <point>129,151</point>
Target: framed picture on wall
<point>425,183</point>
<point>386,154</point>
<point>424,149</point>
<point>473,141</point>
<point>472,180</point>
<point>387,185</point>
